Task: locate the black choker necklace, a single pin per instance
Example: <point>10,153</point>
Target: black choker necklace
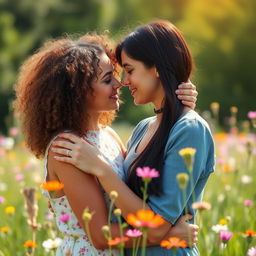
<point>158,111</point>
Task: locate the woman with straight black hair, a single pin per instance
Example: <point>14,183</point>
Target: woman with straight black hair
<point>156,60</point>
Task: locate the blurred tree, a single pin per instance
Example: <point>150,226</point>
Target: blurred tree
<point>222,35</point>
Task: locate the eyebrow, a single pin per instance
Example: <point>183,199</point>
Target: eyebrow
<point>126,65</point>
<point>107,73</point>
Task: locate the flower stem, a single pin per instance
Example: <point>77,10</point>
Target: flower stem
<point>145,194</point>
<point>89,237</point>
<point>137,245</point>
<point>144,243</point>
<point>109,224</point>
<point>192,186</point>
<point>121,235</point>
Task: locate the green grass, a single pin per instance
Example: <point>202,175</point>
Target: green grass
<point>225,191</point>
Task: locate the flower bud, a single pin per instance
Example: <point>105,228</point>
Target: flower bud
<point>113,195</point>
<point>182,179</point>
<point>87,216</point>
<point>117,212</point>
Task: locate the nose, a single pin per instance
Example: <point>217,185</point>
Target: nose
<point>125,80</point>
<point>116,84</point>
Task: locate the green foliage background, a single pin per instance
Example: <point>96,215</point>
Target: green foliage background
<point>221,35</point>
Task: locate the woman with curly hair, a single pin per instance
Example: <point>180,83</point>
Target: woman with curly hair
<point>69,85</point>
<point>155,58</point>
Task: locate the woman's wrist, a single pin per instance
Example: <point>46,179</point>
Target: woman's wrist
<point>102,169</point>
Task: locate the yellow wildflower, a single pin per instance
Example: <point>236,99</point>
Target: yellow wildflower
<point>10,210</point>
<point>188,156</point>
<point>223,222</point>
<point>4,229</point>
<point>187,151</point>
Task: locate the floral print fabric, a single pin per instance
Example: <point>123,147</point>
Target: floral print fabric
<point>75,239</point>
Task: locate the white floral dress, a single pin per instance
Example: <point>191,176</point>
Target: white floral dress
<point>75,239</point>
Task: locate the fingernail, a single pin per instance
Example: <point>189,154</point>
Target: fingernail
<point>177,91</point>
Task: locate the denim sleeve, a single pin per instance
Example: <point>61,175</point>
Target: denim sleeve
<point>190,133</point>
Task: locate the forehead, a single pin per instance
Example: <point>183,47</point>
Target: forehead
<point>104,62</point>
<point>127,61</point>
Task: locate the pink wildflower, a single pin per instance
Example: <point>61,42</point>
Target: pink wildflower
<point>133,233</point>
<point>220,161</point>
<point>2,199</point>
<point>64,218</point>
<point>251,251</point>
<point>248,203</point>
<point>147,172</point>
<point>19,177</point>
<point>14,131</point>
<point>49,215</point>
<point>252,114</point>
<point>225,236</point>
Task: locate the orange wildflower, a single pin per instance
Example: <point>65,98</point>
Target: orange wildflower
<point>233,110</point>
<point>117,240</point>
<point>173,243</point>
<point>30,244</point>
<point>52,185</point>
<point>249,233</point>
<point>227,168</point>
<point>145,218</point>
<point>221,136</point>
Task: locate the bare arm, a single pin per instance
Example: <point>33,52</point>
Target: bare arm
<point>83,190</point>
<point>127,201</point>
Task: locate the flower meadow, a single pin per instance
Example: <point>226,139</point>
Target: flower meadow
<point>226,217</point>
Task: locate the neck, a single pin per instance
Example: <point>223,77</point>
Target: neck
<point>158,108</point>
<point>93,121</point>
<point>186,109</point>
<point>159,115</point>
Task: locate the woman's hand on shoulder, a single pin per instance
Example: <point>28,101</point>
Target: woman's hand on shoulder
<point>77,151</point>
<point>187,93</point>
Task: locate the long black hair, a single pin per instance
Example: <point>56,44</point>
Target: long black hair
<point>162,45</point>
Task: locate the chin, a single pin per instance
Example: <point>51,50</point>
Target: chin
<point>115,107</point>
<point>139,102</point>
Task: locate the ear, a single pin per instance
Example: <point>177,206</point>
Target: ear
<point>156,72</point>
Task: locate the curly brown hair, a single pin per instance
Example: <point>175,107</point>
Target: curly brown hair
<point>52,88</point>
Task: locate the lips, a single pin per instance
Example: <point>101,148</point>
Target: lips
<point>114,97</point>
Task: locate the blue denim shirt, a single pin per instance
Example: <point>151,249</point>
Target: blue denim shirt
<point>190,130</point>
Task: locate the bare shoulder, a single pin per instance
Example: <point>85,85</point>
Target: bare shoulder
<point>117,138</point>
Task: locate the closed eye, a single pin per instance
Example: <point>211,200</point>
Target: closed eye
<point>108,81</point>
